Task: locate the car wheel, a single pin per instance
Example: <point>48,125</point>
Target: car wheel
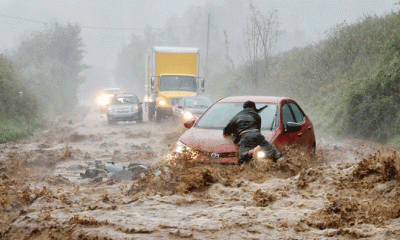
<point>140,119</point>
<point>313,149</point>
<point>158,116</point>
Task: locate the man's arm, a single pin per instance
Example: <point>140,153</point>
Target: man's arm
<point>258,120</point>
<point>230,128</point>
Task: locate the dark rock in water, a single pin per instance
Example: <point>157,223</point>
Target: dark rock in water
<point>110,144</point>
<point>137,170</point>
<point>76,167</point>
<point>113,144</point>
<point>98,179</point>
<point>143,146</point>
<point>117,152</point>
<point>103,145</point>
<point>92,173</point>
<point>124,174</point>
<point>113,167</point>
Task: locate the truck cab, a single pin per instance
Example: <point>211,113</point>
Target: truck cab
<point>171,73</point>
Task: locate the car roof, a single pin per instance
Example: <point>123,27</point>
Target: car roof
<point>256,99</point>
<point>196,97</point>
<point>125,95</point>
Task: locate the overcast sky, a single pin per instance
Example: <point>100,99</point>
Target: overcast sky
<point>308,19</point>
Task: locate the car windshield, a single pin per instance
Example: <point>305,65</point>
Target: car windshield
<point>197,102</point>
<point>219,115</point>
<point>124,100</point>
<point>178,83</point>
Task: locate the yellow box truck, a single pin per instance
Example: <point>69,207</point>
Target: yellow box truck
<point>171,73</point>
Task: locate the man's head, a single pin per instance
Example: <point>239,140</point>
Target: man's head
<point>249,104</point>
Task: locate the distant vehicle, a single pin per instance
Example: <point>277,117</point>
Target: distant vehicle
<point>284,123</point>
<point>191,107</point>
<point>104,99</point>
<point>170,72</point>
<point>125,107</point>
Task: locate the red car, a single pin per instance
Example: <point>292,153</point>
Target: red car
<point>284,123</point>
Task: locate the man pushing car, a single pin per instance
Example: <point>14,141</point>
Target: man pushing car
<point>245,129</point>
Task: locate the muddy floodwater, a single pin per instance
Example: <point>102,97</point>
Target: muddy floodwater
<point>350,190</point>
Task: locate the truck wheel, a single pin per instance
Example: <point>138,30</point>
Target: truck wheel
<point>151,113</point>
<point>159,116</point>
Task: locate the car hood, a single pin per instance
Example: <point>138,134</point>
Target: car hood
<point>197,111</point>
<point>124,106</point>
<point>212,140</point>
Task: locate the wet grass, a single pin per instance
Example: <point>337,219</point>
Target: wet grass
<point>11,129</point>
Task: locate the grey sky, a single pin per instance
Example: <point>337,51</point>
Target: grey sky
<point>304,22</point>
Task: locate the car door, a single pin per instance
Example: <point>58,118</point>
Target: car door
<point>285,138</point>
<point>305,138</point>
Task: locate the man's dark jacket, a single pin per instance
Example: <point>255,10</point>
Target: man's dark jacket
<point>247,119</point>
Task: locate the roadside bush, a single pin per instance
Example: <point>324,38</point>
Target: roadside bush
<point>19,113</point>
<point>374,112</point>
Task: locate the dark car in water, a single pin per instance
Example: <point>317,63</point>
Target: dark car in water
<point>284,123</point>
<point>125,107</point>
<point>191,107</point>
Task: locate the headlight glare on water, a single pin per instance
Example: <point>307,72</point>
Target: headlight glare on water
<point>179,147</point>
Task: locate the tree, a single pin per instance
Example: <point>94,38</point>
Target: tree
<point>261,34</point>
<point>51,63</point>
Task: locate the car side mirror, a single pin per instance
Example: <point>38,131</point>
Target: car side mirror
<point>292,127</point>
<point>189,123</point>
<point>153,86</point>
<point>202,85</point>
<point>180,107</point>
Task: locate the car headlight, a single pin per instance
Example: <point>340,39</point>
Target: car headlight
<point>103,100</point>
<point>188,115</point>
<point>162,102</point>
<point>179,147</point>
<point>134,109</point>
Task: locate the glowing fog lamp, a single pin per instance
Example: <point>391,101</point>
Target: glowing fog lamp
<point>261,154</point>
<point>188,115</point>
<point>103,100</point>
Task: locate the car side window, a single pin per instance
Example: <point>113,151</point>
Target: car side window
<point>287,115</point>
<point>298,114</point>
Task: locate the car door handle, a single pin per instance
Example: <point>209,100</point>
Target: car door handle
<point>300,134</point>
<point>309,127</point>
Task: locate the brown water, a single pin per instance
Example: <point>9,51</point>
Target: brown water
<point>350,190</point>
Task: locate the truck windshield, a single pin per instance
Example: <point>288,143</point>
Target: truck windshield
<point>178,83</point>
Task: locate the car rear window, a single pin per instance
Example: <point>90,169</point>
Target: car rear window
<point>219,115</point>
